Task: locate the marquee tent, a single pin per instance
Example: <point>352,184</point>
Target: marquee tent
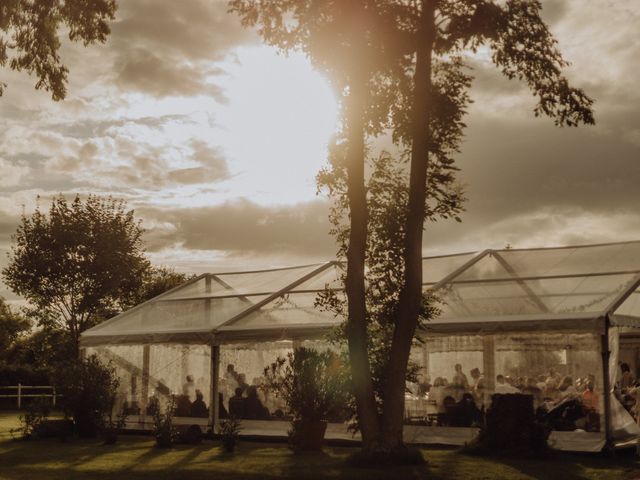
<point>519,313</point>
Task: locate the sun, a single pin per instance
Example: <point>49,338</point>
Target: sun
<point>275,125</point>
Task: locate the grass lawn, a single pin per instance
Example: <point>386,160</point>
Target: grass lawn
<point>134,457</point>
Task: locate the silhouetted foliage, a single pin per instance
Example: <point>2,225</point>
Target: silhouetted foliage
<point>401,66</point>
<point>29,36</point>
<point>386,202</point>
<point>164,431</point>
<point>89,391</point>
<point>77,265</point>
<point>12,327</point>
<point>155,281</point>
<point>229,431</point>
<point>312,383</point>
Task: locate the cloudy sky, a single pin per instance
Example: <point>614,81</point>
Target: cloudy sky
<point>215,139</point>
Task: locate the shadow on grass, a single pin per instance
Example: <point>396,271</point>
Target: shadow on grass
<point>567,466</point>
<point>137,458</point>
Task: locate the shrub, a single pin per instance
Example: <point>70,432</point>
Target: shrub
<point>30,421</point>
<point>112,425</point>
<point>229,431</point>
<point>163,429</point>
<point>311,383</point>
<point>89,389</point>
<point>511,429</point>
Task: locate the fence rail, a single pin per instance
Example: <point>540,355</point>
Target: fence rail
<point>20,392</point>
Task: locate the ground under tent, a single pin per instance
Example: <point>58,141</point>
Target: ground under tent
<point>530,316</point>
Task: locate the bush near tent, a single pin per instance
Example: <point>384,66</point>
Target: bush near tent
<point>511,429</point>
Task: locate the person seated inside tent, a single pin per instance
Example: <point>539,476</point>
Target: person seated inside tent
<point>531,388</point>
<point>222,411</point>
<point>438,392</point>
<point>503,387</point>
<point>253,407</point>
<point>183,406</point>
<point>198,407</point>
<point>229,382</point>
<point>482,395</point>
<point>242,382</point>
<point>475,377</point>
<point>464,413</point>
<point>626,379</point>
<point>189,388</point>
<point>459,378</point>
<point>566,388</point>
<point>590,404</point>
<point>237,404</point>
<point>550,393</point>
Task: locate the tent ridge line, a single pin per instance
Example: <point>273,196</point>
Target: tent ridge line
<point>275,295</point>
<point>532,249</point>
<point>277,269</point>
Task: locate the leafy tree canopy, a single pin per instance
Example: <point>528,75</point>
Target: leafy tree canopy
<point>12,326</point>
<point>156,281</point>
<point>29,36</point>
<point>78,264</point>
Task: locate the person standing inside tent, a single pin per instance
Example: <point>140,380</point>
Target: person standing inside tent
<point>189,388</point>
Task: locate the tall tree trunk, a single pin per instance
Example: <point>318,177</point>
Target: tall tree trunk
<point>410,298</point>
<point>355,281</point>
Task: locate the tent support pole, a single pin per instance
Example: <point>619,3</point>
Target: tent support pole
<point>606,387</point>
<point>489,361</point>
<point>214,401</point>
<point>146,355</point>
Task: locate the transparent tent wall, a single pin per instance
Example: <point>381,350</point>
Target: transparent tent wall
<point>242,376</point>
<point>179,370</point>
<point>457,375</point>
<point>127,360</point>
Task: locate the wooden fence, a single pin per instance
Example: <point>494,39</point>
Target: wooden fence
<point>29,391</point>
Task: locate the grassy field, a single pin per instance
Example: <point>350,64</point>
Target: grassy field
<point>134,457</point>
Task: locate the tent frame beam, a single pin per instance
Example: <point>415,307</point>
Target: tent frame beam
<point>606,387</point>
<point>527,289</point>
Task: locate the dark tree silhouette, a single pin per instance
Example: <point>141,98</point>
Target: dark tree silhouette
<point>79,264</point>
<point>401,64</point>
<point>29,36</point>
<point>157,280</point>
<point>12,325</point>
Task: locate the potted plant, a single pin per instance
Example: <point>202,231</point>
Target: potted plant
<point>229,431</point>
<point>313,385</point>
<point>164,431</point>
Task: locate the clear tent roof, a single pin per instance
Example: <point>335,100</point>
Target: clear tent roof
<point>562,287</point>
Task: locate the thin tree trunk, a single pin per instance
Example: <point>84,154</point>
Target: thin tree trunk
<point>355,281</point>
<point>410,298</point>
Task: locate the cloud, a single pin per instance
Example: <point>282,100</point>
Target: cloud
<point>142,70</point>
<point>163,49</point>
<point>242,226</point>
<point>12,173</point>
<point>543,227</point>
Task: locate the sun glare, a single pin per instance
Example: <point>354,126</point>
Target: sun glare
<point>276,124</point>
